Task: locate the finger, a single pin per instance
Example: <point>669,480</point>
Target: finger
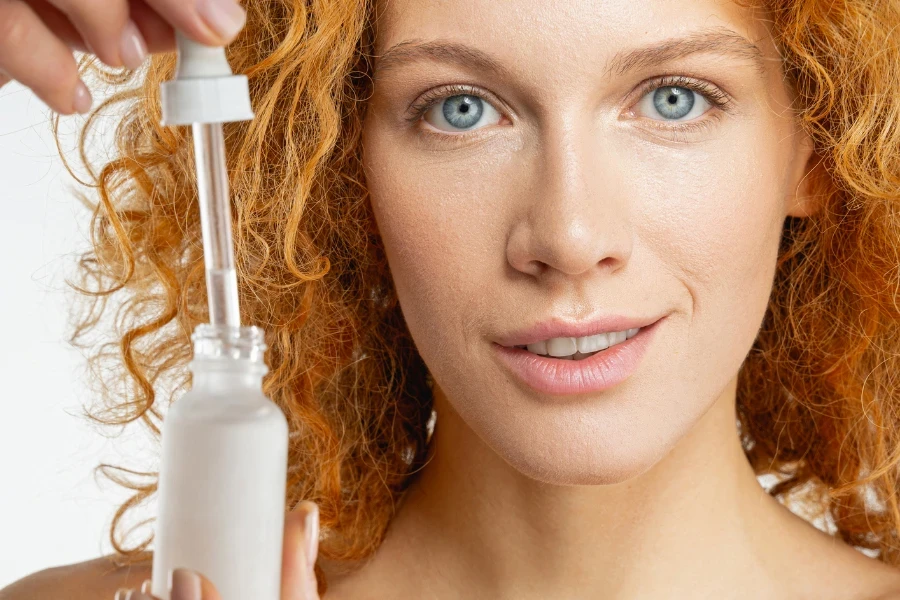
<point>311,530</point>
<point>4,79</point>
<point>32,55</point>
<point>188,584</point>
<point>298,580</point>
<point>158,33</point>
<point>211,22</point>
<point>101,24</point>
<point>59,24</point>
<point>127,594</point>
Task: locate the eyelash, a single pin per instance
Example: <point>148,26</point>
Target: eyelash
<point>715,96</point>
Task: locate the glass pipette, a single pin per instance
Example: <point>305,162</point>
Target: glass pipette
<point>215,217</point>
<point>224,444</point>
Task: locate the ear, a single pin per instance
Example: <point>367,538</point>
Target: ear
<point>806,166</point>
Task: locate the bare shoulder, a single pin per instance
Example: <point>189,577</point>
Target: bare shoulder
<point>96,579</point>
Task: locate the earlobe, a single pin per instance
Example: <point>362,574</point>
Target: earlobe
<point>804,201</point>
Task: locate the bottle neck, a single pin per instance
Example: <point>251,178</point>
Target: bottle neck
<point>217,377</point>
<point>217,342</point>
<point>228,358</point>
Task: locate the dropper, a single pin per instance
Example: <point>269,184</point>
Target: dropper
<point>204,94</point>
<point>223,474</point>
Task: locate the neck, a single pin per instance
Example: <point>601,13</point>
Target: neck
<point>696,524</point>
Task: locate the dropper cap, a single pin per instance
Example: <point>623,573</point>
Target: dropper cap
<point>204,90</point>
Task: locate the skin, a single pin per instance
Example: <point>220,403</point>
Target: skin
<point>37,38</point>
<point>101,579</point>
<point>568,202</point>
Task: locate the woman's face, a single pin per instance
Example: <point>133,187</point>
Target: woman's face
<point>569,182</point>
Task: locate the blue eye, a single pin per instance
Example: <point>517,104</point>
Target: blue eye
<point>674,102</point>
<point>455,108</point>
<point>460,112</point>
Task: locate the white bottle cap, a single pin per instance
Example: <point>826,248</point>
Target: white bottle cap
<point>204,89</point>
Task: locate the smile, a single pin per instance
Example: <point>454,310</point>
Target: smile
<point>572,348</point>
<point>561,366</point>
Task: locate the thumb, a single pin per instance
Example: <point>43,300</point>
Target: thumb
<point>188,584</point>
<point>301,529</point>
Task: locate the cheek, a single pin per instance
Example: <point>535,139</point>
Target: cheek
<point>713,216</point>
<point>712,220</point>
<point>441,221</point>
<point>421,229</point>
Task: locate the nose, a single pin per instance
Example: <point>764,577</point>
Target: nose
<point>574,219</point>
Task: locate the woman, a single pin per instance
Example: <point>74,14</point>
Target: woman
<point>589,238</point>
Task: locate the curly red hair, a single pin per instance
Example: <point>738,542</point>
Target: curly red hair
<point>818,401</point>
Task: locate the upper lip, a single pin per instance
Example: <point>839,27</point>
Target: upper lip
<point>558,327</point>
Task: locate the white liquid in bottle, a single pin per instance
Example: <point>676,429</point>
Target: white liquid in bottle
<point>223,472</point>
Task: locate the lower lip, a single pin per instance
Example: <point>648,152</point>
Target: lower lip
<point>596,373</point>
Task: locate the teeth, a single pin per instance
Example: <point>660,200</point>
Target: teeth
<point>538,347</point>
<point>566,347</point>
<point>592,343</point>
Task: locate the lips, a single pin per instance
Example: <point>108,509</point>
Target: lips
<point>559,328</point>
<point>596,373</point>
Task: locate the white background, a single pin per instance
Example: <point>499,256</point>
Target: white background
<point>53,509</point>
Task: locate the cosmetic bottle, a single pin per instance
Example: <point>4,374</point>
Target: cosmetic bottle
<point>223,472</point>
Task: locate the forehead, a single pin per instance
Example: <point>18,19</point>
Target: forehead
<point>565,37</point>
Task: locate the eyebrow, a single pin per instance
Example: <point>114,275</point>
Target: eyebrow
<point>720,40</point>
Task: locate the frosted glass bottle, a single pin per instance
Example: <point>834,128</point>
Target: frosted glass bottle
<point>223,472</point>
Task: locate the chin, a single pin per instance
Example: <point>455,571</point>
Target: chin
<point>568,463</point>
<point>598,443</point>
<point>596,439</point>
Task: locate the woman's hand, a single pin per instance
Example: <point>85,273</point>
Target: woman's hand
<point>298,579</point>
<point>37,38</point>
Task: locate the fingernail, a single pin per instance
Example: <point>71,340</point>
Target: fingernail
<point>145,588</point>
<point>311,535</point>
<point>132,47</point>
<point>83,100</point>
<point>185,585</point>
<point>225,17</point>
